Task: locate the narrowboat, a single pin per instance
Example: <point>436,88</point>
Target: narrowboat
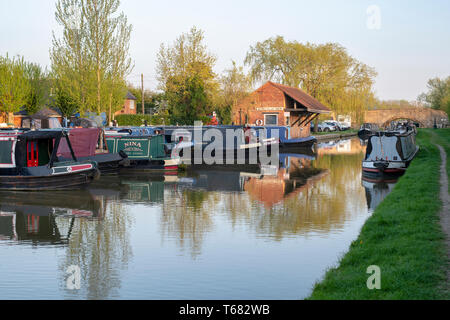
<point>29,161</point>
<point>244,144</point>
<point>389,153</point>
<point>286,141</point>
<point>144,152</point>
<point>366,130</point>
<point>90,144</point>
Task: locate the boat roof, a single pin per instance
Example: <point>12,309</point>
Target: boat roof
<point>43,134</point>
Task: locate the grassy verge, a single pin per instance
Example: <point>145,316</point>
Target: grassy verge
<point>334,132</point>
<point>442,137</point>
<point>403,237</point>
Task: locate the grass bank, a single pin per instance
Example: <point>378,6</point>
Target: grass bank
<point>403,237</point>
<point>334,132</point>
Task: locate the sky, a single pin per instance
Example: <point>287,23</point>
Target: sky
<point>407,42</point>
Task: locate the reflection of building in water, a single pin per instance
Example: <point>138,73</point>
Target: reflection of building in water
<point>296,173</point>
<point>376,191</point>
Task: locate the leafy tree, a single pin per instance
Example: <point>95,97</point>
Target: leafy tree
<point>65,103</point>
<point>91,60</point>
<point>185,74</point>
<point>190,102</point>
<point>39,94</point>
<point>14,85</point>
<point>438,95</point>
<point>234,86</point>
<point>326,72</point>
<point>153,101</point>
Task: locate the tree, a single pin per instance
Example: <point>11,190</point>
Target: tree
<point>234,86</point>
<point>185,74</point>
<point>39,93</point>
<point>91,60</point>
<point>325,71</point>
<point>438,95</point>
<point>65,103</point>
<point>14,85</point>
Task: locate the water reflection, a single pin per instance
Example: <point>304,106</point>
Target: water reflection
<point>377,190</point>
<point>33,219</point>
<point>113,224</point>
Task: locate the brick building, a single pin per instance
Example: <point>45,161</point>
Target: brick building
<point>278,105</point>
<point>129,106</point>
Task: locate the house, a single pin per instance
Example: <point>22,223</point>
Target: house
<point>275,104</point>
<point>129,106</point>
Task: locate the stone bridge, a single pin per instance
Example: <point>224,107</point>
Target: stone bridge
<point>426,117</point>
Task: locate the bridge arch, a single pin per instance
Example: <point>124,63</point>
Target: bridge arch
<point>426,117</point>
<point>409,118</point>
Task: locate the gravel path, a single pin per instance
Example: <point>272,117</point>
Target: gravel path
<point>445,198</point>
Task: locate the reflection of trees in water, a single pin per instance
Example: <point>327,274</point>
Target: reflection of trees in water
<point>318,197</point>
<point>187,216</point>
<point>101,248</point>
<point>323,203</point>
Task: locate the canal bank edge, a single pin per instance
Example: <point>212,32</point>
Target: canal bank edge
<point>403,238</point>
<point>335,136</point>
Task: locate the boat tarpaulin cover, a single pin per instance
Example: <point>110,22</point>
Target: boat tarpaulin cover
<point>383,147</point>
<point>83,141</point>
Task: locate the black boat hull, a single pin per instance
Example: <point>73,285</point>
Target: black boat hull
<point>306,145</point>
<point>51,182</point>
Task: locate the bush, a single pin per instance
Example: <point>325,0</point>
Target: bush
<point>136,120</point>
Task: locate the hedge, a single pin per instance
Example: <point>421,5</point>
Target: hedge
<point>139,119</point>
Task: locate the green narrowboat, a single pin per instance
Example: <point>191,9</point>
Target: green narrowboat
<point>145,152</point>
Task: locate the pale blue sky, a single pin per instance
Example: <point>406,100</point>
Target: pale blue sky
<point>412,45</point>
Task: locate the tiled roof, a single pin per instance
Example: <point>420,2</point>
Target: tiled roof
<point>303,98</point>
<point>130,96</point>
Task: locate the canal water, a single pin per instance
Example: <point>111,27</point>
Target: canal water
<point>209,233</point>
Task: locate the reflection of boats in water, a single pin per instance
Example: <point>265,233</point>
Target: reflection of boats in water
<point>377,190</point>
<point>33,218</point>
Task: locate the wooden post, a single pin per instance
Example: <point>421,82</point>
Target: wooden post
<point>110,105</point>
<point>142,84</point>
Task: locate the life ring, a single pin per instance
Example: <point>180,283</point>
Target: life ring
<point>259,123</point>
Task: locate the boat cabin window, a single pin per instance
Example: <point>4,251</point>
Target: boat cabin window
<point>7,153</point>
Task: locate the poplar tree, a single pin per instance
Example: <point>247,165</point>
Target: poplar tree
<point>14,85</point>
<point>91,61</point>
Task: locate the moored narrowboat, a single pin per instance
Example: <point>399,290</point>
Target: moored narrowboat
<point>28,161</point>
<point>145,152</point>
<point>366,130</point>
<point>389,153</point>
<point>90,144</point>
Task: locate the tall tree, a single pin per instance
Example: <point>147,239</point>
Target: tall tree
<point>326,72</point>
<point>92,59</point>
<point>234,86</point>
<point>14,85</point>
<point>185,74</point>
<point>39,93</point>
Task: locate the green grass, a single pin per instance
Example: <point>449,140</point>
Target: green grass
<point>403,237</point>
<point>334,132</point>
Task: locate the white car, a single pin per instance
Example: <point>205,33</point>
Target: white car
<point>340,126</point>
